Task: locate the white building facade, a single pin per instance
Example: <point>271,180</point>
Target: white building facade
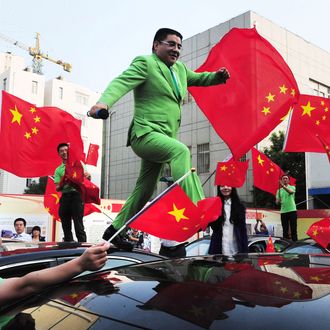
<point>17,79</point>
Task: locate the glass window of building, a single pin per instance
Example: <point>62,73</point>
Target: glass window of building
<point>34,87</point>
<point>203,158</point>
<point>82,98</point>
<point>60,93</point>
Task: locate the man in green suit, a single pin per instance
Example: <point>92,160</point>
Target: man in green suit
<point>160,84</point>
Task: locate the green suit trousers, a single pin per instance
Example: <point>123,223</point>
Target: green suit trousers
<point>156,149</point>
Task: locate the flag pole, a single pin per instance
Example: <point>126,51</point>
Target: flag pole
<point>192,170</point>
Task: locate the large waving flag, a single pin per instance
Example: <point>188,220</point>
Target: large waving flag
<point>174,216</point>
<point>255,99</point>
<point>29,136</point>
<point>266,174</point>
<point>231,173</point>
<point>310,118</point>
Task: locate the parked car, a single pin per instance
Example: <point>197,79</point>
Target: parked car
<point>29,257</point>
<point>211,292</point>
<point>306,246</point>
<point>256,243</point>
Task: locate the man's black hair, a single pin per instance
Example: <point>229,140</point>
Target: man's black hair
<point>162,33</point>
<point>62,145</point>
<point>20,219</point>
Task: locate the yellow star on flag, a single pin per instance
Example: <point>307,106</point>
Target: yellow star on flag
<point>17,116</point>
<point>74,175</point>
<point>307,109</point>
<point>27,135</point>
<point>266,110</point>
<point>34,130</point>
<point>293,92</point>
<point>260,160</point>
<point>37,119</point>
<point>283,89</point>
<point>270,97</point>
<point>223,168</point>
<point>178,213</point>
<point>57,199</point>
<point>315,232</point>
<point>33,110</point>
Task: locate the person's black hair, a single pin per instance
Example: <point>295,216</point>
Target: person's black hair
<point>283,175</point>
<point>162,33</point>
<point>36,228</point>
<point>62,145</point>
<point>236,205</point>
<point>20,219</point>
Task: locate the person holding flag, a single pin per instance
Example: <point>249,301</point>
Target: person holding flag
<point>285,196</point>
<point>71,203</point>
<point>160,84</point>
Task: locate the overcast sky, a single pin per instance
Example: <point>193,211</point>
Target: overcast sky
<point>101,37</point>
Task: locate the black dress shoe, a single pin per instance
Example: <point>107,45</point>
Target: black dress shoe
<point>117,241</point>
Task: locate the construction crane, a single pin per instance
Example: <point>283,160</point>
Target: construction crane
<point>36,53</point>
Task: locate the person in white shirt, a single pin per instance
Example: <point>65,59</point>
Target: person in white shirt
<point>20,234</point>
<point>229,235</point>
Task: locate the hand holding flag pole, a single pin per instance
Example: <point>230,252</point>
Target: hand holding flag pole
<point>153,201</point>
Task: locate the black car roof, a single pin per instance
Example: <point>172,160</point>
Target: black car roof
<point>188,293</point>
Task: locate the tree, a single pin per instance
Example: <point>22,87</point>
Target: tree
<point>37,187</point>
<point>292,163</point>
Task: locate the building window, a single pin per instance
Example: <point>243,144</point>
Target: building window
<point>28,182</point>
<point>4,84</point>
<point>82,98</point>
<point>320,89</point>
<point>34,87</point>
<point>60,93</point>
<point>203,158</point>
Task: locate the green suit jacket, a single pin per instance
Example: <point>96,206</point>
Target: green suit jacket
<point>157,101</point>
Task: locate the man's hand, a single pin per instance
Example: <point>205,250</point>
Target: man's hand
<point>223,74</point>
<point>98,106</point>
<point>94,257</point>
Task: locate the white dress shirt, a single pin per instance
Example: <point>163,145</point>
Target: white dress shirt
<point>229,244</point>
<point>23,237</point>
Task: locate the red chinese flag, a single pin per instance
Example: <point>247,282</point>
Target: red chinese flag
<point>255,99</point>
<point>170,216</point>
<point>266,174</point>
<point>74,170</point>
<point>52,199</point>
<point>211,209</point>
<point>317,275</point>
<point>231,173</point>
<point>93,154</point>
<point>325,145</point>
<point>320,232</point>
<point>265,289</point>
<point>90,192</point>
<point>270,248</point>
<point>309,118</point>
<point>91,208</point>
<point>29,136</point>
